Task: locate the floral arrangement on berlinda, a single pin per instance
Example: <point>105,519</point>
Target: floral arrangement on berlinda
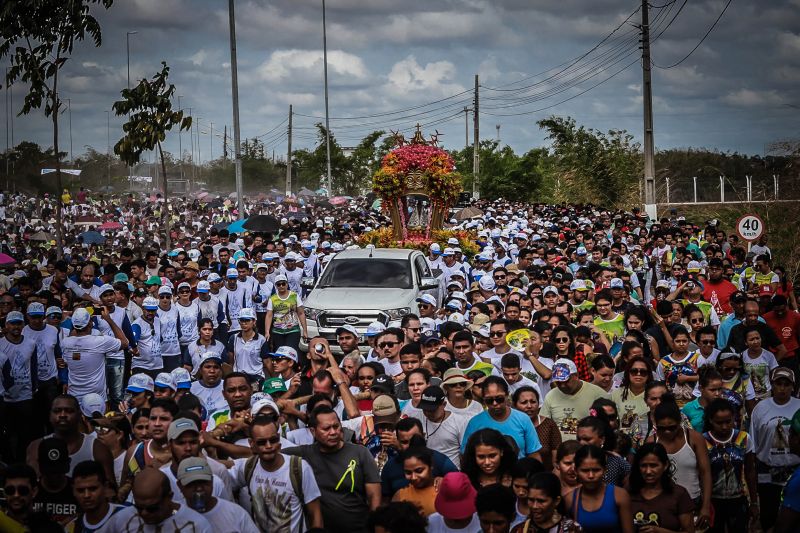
<point>417,167</point>
<point>384,238</point>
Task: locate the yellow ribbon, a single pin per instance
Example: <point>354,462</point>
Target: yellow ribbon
<point>351,468</point>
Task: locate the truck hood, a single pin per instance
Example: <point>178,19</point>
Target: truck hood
<point>353,298</point>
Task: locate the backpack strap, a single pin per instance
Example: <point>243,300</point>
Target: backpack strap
<point>249,469</point>
<point>296,478</point>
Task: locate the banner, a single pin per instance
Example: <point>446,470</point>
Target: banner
<point>74,172</point>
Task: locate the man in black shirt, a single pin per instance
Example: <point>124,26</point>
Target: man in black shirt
<point>769,340</point>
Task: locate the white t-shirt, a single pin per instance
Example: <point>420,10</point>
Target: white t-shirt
<point>218,486</point>
<point>227,517</point>
<point>211,397</point>
<point>473,408</point>
<point>770,432</point>
<point>436,525</point>
<point>47,345</point>
<point>183,519</point>
<point>86,361</point>
<point>196,352</point>
<point>272,491</point>
<point>759,369</point>
<point>446,436</point>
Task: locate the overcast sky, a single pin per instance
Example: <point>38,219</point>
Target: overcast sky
<point>735,92</point>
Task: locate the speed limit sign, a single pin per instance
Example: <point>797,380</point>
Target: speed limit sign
<point>750,227</point>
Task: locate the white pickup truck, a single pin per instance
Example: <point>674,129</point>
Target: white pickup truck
<point>366,285</point>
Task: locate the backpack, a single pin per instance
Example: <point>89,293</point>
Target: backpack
<point>295,477</point>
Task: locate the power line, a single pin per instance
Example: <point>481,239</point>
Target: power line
<point>714,25</point>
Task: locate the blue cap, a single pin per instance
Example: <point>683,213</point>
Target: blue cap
<point>14,316</point>
<point>35,309</point>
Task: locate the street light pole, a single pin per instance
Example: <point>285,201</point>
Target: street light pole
<point>327,116</point>
<point>108,146</point>
<point>128,54</point>
<point>69,107</point>
<point>235,96</point>
<point>180,144</point>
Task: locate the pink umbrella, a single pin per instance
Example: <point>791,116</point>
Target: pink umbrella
<point>110,225</point>
<point>6,259</point>
<point>339,200</point>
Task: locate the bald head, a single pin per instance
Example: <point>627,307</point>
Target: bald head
<point>152,494</point>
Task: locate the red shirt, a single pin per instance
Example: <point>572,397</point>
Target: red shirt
<point>719,295</point>
<point>785,328</point>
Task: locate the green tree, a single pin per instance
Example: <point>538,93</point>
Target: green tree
<point>38,36</point>
<point>149,106</point>
<point>361,165</point>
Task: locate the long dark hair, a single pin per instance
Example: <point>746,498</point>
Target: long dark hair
<point>626,378</point>
<point>569,330</point>
<point>487,437</point>
<point>651,448</point>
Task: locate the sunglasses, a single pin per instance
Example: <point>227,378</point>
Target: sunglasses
<point>424,306</point>
<point>668,428</point>
<point>562,339</point>
<point>151,509</point>
<point>281,284</point>
<point>499,277</point>
<point>459,384</point>
<point>707,343</point>
<point>387,344</point>
<point>638,371</point>
<point>415,330</point>
<point>496,400</point>
<point>497,333</point>
<point>730,369</point>
<point>22,490</point>
<point>184,291</point>
<point>696,321</point>
<point>272,440</point>
<point>165,296</point>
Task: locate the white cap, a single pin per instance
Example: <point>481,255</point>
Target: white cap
<point>261,265</point>
<point>81,318</point>
<point>203,286</point>
<point>452,241</point>
<point>427,298</point>
<point>214,277</point>
<point>269,256</point>
<point>106,288</point>
<point>616,283</point>
<point>231,273</point>
<point>247,313</point>
<point>149,303</point>
<point>577,285</point>
<point>486,283</point>
<point>374,328</point>
<point>183,380</point>
<point>261,403</point>
<point>165,379</point>
<point>549,289</point>
<point>139,383</point>
<point>164,290</point>
<point>92,403</point>
<point>285,351</point>
<point>662,284</point>
<point>184,285</point>
<point>457,318</point>
<point>458,295</point>
<point>448,252</point>
<point>435,247</point>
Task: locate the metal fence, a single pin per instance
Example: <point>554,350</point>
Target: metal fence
<point>726,189</point>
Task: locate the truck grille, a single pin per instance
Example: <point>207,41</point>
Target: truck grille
<point>359,320</point>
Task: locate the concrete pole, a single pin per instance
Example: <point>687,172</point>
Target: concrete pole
<point>235,96</point>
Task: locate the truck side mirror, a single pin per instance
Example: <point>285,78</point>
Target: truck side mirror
<point>428,283</point>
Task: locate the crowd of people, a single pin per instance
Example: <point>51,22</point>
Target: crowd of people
<point>588,370</point>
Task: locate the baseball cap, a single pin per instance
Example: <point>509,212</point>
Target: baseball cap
<point>384,410</point>
<point>578,285</point>
<point>153,280</point>
<point>447,252</point>
<point>582,251</point>
<point>738,297</point>
<point>435,248</point>
<point>550,289</point>
<point>180,426</point>
<point>140,383</point>
<point>16,316</point>
<point>80,318</point>
<point>383,383</point>
<point>563,369</point>
<point>92,403</point>
<point>428,336</point>
<point>347,328</point>
<point>53,455</point>
<point>149,303</point>
<point>194,469</point>
<point>662,284</point>
<point>694,266</point>
<point>273,385</point>
<point>432,397</point>
<point>182,378</point>
<point>247,313</point>
<point>261,403</point>
<point>213,278</point>
<point>374,328</point>
<point>121,276</point>
<point>426,299</point>
<point>54,310</point>
<point>483,331</point>
<point>231,273</point>
<point>280,277</point>
<point>452,241</point>
<point>191,265</point>
<point>285,351</point>
<point>486,283</point>
<point>106,288</point>
<point>782,372</point>
<point>165,381</point>
<point>616,283</point>
<point>184,285</point>
<point>203,286</point>
<point>456,497</point>
<point>164,290</point>
<point>210,356</point>
<point>35,309</point>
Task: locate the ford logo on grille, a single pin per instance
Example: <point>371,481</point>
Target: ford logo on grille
<point>351,320</point>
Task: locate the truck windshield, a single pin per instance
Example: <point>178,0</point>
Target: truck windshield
<point>368,273</point>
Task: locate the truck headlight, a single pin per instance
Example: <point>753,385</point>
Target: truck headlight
<point>397,314</point>
<point>312,314</point>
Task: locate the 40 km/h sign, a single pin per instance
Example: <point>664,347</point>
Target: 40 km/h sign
<point>750,227</point>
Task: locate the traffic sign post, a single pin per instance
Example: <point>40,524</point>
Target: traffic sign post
<point>750,227</point>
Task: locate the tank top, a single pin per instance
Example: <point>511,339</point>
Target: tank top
<point>605,519</point>
<point>685,463</point>
<point>84,453</point>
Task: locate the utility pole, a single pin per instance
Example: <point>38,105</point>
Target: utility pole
<point>476,156</point>
<point>289,156</point>
<point>128,53</point>
<point>327,116</point>
<point>211,141</point>
<point>199,158</point>
<point>180,144</point>
<point>108,147</point>
<point>69,107</point>
<point>224,144</point>
<point>8,136</point>
<point>466,127</point>
<point>647,99</point>
<point>497,126</point>
<point>235,95</point>
<point>191,149</point>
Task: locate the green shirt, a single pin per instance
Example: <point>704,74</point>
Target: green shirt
<point>695,413</point>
